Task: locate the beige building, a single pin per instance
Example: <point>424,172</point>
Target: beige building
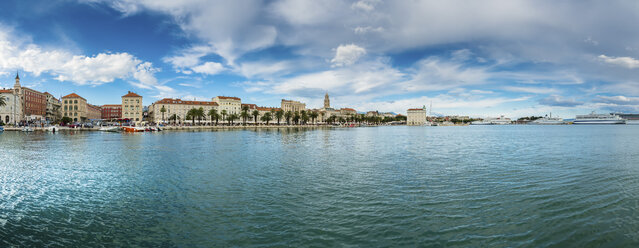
<point>293,106</point>
<point>94,112</point>
<point>54,108</point>
<point>74,107</point>
<point>132,107</point>
<point>11,112</point>
<point>179,108</point>
<point>416,116</point>
<point>232,105</point>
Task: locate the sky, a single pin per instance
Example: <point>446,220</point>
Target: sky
<point>478,58</point>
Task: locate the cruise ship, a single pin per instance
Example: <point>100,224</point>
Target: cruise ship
<point>549,120</point>
<point>594,118</point>
<point>493,121</point>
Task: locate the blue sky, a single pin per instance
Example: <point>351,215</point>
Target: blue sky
<point>478,58</point>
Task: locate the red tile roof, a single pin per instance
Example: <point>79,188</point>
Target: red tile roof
<point>348,109</point>
<point>416,109</point>
<point>6,91</point>
<point>112,105</point>
<point>73,95</point>
<point>131,94</point>
<point>229,97</point>
<point>250,105</point>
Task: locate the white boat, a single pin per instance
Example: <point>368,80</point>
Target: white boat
<point>493,121</point>
<point>53,129</point>
<point>598,119</point>
<point>549,120</point>
<point>27,129</point>
<point>111,129</point>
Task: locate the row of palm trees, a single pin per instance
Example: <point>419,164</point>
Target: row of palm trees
<point>298,118</point>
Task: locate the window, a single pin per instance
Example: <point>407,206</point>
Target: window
<point>76,101</point>
<point>75,107</point>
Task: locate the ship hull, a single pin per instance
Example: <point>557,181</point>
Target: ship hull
<point>599,122</point>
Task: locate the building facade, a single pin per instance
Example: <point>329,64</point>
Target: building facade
<point>74,107</point>
<point>53,109</point>
<point>178,108</point>
<point>132,107</point>
<point>111,112</point>
<point>416,116</point>
<point>11,112</point>
<point>94,112</point>
<point>232,105</point>
<point>293,106</point>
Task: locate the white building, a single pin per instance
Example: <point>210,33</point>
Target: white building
<point>11,112</point>
<point>416,116</point>
<point>232,105</point>
<point>179,108</point>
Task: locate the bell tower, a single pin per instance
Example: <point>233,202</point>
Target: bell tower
<point>327,102</point>
<point>16,87</point>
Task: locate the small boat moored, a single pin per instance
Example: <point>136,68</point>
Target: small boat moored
<point>27,129</point>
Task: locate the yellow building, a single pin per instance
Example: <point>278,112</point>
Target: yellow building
<point>94,112</point>
<point>132,107</point>
<point>293,106</point>
<point>74,107</point>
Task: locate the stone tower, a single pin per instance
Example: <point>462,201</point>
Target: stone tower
<point>16,87</point>
<point>327,102</point>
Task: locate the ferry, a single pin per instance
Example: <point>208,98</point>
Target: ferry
<point>600,119</point>
<point>549,120</point>
<point>111,129</point>
<point>493,121</point>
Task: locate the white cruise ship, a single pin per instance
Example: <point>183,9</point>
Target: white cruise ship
<point>594,118</point>
<point>549,120</point>
<point>493,121</point>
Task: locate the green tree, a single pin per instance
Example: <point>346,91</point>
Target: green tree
<point>278,115</point>
<point>322,114</point>
<point>313,116</point>
<point>224,113</point>
<point>304,117</point>
<point>233,117</point>
<point>174,118</point>
<point>296,117</point>
<point>266,117</point>
<point>163,110</point>
<point>213,114</point>
<point>255,114</point>
<point>3,101</point>
<point>66,120</point>
<point>200,115</point>
<point>192,114</point>
<point>245,113</point>
<point>288,115</point>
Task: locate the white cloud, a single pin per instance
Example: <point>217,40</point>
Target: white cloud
<point>264,69</point>
<point>347,55</point>
<point>367,29</point>
<point>627,62</point>
<point>366,5</point>
<point>210,68</point>
<point>534,90</point>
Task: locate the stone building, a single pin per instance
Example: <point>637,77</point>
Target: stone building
<point>132,107</point>
<point>94,112</point>
<point>232,105</point>
<point>416,116</point>
<point>293,106</point>
<point>178,108</point>
<point>53,109</point>
<point>74,107</point>
<point>11,112</point>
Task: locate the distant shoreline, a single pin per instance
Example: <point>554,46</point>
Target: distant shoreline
<point>194,128</point>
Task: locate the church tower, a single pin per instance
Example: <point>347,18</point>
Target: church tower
<point>327,102</point>
<point>16,86</point>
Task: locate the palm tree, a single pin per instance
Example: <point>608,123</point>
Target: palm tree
<point>200,115</point>
<point>296,118</point>
<point>192,114</point>
<point>322,114</point>
<point>304,117</point>
<point>174,117</point>
<point>163,110</point>
<point>266,117</point>
<point>313,116</point>
<point>212,113</point>
<point>288,116</point>
<point>233,117</point>
<point>224,114</point>
<point>255,115</point>
<point>244,113</point>
<point>279,114</point>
